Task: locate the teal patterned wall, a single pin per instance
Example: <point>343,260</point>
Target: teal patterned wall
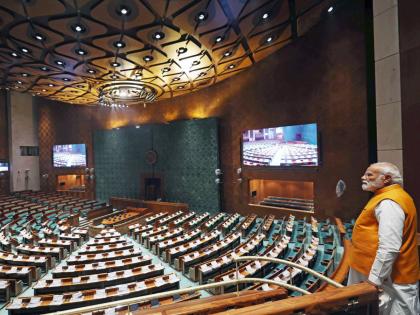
<point>188,154</point>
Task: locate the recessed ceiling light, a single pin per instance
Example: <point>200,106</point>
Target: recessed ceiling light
<point>114,76</point>
<point>91,71</point>
<point>66,79</point>
<point>115,64</point>
<point>50,84</point>
<point>19,82</point>
<point>166,69</point>
<point>44,68</point>
<point>196,62</point>
<point>180,87</point>
<point>219,39</point>
<point>158,35</point>
<point>176,79</point>
<point>148,58</point>
<point>37,93</point>
<point>39,37</point>
<point>124,10</point>
<point>269,39</point>
<point>14,54</point>
<point>231,66</point>
<point>81,52</point>
<point>330,9</point>
<point>25,74</point>
<point>44,90</point>
<point>227,53</point>
<point>78,28</point>
<point>265,16</point>
<point>181,50</point>
<point>24,50</point>
<point>119,44</point>
<point>201,16</point>
<point>59,62</point>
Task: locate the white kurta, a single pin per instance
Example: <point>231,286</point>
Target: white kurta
<point>396,299</point>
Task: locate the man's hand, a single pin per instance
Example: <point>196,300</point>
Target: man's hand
<point>380,290</point>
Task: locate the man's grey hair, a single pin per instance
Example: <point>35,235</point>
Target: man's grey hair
<point>391,170</point>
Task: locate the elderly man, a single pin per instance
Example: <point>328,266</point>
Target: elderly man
<point>384,247</point>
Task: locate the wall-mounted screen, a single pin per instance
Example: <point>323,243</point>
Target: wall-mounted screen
<point>69,155</point>
<point>282,146</point>
<point>4,167</point>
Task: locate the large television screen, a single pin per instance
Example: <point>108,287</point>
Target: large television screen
<point>4,166</point>
<point>69,155</point>
<point>284,146</point>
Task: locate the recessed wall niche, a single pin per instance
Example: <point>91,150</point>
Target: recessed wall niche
<point>289,195</point>
<point>71,182</point>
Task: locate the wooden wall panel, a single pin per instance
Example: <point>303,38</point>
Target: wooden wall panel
<point>63,124</point>
<point>4,142</point>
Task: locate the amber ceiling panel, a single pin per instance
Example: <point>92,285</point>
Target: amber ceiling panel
<point>69,50</point>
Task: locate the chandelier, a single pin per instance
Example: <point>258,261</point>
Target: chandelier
<point>125,93</point>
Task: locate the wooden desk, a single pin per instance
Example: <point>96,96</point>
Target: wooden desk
<point>97,281</point>
<point>120,218</point>
<point>101,267</point>
<point>58,302</point>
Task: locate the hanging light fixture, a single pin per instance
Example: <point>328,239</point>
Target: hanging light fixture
<point>125,93</point>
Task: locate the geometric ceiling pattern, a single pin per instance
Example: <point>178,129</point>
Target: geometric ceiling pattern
<point>68,50</point>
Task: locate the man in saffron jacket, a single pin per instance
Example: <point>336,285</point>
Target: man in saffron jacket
<point>384,245</point>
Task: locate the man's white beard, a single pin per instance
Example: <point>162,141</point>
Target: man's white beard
<point>372,185</point>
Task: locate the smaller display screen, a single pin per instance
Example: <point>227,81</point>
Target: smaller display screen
<point>4,167</point>
<point>69,155</point>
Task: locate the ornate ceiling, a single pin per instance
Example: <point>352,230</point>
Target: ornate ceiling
<point>68,50</point>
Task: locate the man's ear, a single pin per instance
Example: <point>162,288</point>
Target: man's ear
<point>387,179</point>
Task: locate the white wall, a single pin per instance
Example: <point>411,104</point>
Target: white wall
<point>23,131</point>
<point>387,78</point>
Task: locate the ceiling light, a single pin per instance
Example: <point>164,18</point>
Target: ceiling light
<point>114,76</point>
<point>265,16</point>
<point>91,71</point>
<point>121,93</point>
<point>196,62</point>
<point>78,28</point>
<point>44,90</point>
<point>137,127</point>
<point>14,54</point>
<point>181,50</point>
<point>50,84</point>
<point>158,35</point>
<point>330,9</point>
<point>44,68</point>
<point>166,69</point>
<point>176,79</point>
<point>81,52</point>
<point>148,58</point>
<point>219,39</point>
<point>201,16</point>
<point>59,62</point>
<point>66,79</point>
<point>269,39</point>
<point>119,44</point>
<point>231,66</point>
<point>124,10</point>
<point>180,87</point>
<point>24,50</point>
<point>19,82</point>
<point>25,74</point>
<point>227,53</point>
<point>39,37</point>
<point>115,64</point>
